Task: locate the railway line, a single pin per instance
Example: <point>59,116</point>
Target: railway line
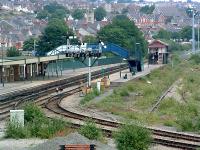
<point>52,103</point>
<point>14,103</point>
<point>163,137</point>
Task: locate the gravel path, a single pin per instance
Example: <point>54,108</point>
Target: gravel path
<point>21,144</point>
<point>73,138</point>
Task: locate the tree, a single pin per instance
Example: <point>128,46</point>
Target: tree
<point>163,34</point>
<point>53,36</point>
<point>28,45</point>
<point>99,13</point>
<point>78,14</point>
<point>12,52</point>
<point>147,9</point>
<point>132,137</point>
<point>186,33</point>
<point>53,10</point>
<point>43,14</point>
<point>124,33</point>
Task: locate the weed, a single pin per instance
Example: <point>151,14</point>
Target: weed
<point>132,137</point>
<point>90,131</point>
<point>36,124</point>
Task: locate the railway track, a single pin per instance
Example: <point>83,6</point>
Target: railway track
<point>52,103</point>
<point>6,106</point>
<point>163,137</point>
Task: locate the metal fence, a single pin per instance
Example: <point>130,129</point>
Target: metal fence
<point>75,64</point>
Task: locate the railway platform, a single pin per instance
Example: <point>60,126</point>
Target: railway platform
<point>14,87</point>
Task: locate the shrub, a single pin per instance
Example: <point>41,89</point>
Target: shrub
<point>124,92</point>
<point>186,124</point>
<point>15,131</point>
<point>32,111</point>
<point>90,131</point>
<point>195,59</point>
<point>36,125</point>
<point>131,137</point>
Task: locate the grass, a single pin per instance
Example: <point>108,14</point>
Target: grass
<point>90,96</point>
<point>91,131</point>
<point>134,99</point>
<point>131,137</point>
<point>36,125</point>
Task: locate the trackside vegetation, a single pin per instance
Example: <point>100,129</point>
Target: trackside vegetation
<point>36,125</point>
<point>134,99</point>
<point>131,137</point>
<point>90,130</point>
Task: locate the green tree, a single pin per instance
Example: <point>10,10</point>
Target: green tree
<point>53,36</point>
<point>186,33</point>
<point>12,52</point>
<point>43,14</point>
<point>78,14</point>
<point>132,137</point>
<point>124,33</point>
<point>28,45</point>
<point>163,34</point>
<point>53,10</point>
<point>147,9</point>
<point>99,13</point>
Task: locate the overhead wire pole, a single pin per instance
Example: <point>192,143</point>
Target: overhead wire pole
<point>198,31</point>
<point>2,79</point>
<point>193,33</point>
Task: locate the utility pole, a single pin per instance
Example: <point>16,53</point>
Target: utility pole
<point>2,80</point>
<point>193,33</point>
<point>198,32</point>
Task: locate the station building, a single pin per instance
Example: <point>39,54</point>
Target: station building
<point>158,52</point>
<point>20,68</point>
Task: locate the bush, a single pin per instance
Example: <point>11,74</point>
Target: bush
<point>195,59</point>
<point>124,92</point>
<point>32,111</point>
<point>36,125</point>
<point>12,52</point>
<point>15,131</point>
<point>132,137</point>
<point>90,131</point>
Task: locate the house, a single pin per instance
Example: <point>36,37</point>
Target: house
<point>158,52</point>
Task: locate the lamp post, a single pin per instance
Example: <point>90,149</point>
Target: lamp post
<point>2,80</point>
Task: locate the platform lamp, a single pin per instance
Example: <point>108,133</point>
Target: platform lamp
<point>2,79</point>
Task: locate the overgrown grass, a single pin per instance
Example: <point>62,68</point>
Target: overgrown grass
<point>131,137</point>
<point>91,131</point>
<point>88,97</point>
<point>134,99</point>
<point>36,125</point>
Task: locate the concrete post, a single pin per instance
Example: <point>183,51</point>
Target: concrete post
<point>89,72</point>
<point>24,71</point>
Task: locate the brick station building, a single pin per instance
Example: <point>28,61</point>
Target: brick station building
<point>20,68</point>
